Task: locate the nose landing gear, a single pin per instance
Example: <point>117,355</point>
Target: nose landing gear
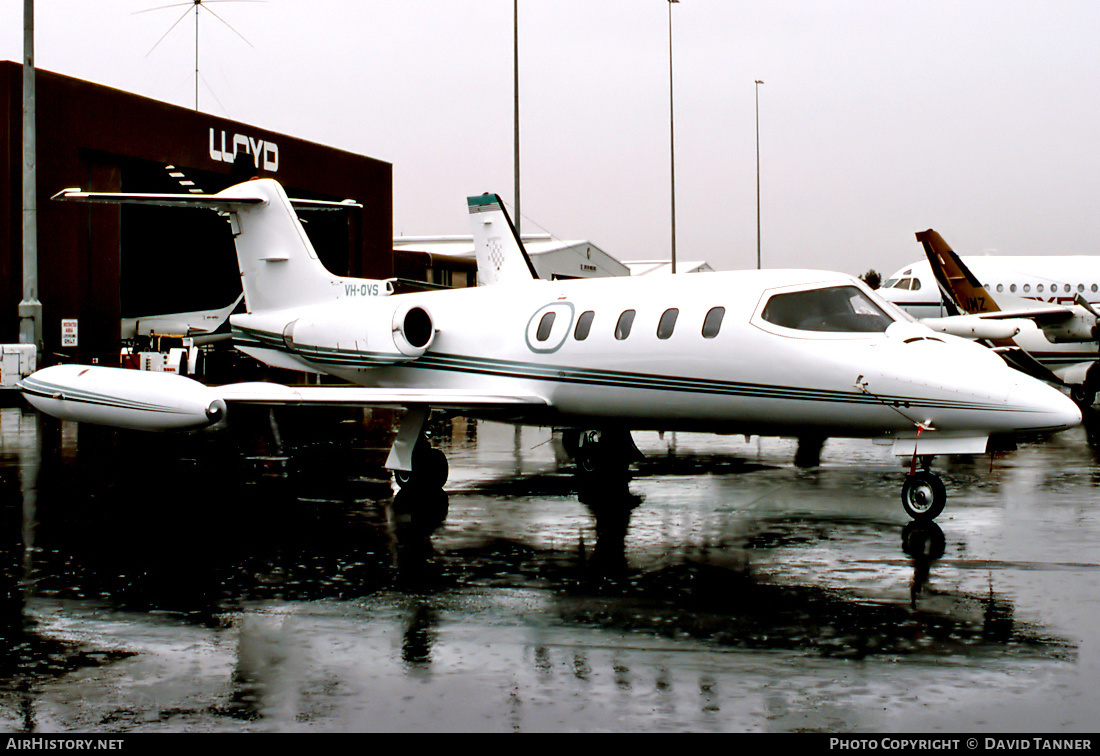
<point>923,495</point>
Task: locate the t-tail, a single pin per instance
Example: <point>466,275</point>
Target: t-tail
<point>501,257</point>
<point>279,266</point>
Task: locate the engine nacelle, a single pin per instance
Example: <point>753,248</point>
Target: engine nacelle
<point>413,330</point>
<point>1081,327</point>
<point>380,334</point>
<point>974,327</point>
<point>123,398</point>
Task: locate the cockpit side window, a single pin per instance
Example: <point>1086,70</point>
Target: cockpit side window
<point>843,309</point>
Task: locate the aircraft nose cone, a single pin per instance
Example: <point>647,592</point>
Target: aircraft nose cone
<point>1069,413</point>
<point>1051,410</point>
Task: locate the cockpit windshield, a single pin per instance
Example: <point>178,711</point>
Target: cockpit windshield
<point>843,309</point>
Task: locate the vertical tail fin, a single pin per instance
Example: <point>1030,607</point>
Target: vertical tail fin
<point>279,267</point>
<point>962,292</point>
<point>501,257</point>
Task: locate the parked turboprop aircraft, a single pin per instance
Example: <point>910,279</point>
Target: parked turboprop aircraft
<point>1054,279</point>
<point>772,352</point>
<point>1043,326</point>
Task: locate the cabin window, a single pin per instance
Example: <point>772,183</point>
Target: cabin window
<point>622,327</point>
<point>1080,287</point>
<point>713,322</point>
<point>1094,287</point>
<point>1012,288</point>
<point>836,309</point>
<point>1027,287</point>
<point>1067,288</point>
<point>545,326</point>
<point>1039,288</point>
<point>667,323</point>
<point>584,325</point>
<point>1000,287</point>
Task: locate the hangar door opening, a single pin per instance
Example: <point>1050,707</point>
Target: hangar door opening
<point>180,260</point>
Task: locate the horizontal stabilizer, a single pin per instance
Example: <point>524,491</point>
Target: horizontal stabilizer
<point>212,201</point>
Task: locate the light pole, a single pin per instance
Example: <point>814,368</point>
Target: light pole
<point>30,309</point>
<point>671,137</point>
<point>515,109</point>
<point>758,83</point>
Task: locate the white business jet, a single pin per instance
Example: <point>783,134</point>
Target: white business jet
<point>773,352</point>
<point>1028,311</point>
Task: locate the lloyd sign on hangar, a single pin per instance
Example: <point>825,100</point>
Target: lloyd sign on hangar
<point>98,264</point>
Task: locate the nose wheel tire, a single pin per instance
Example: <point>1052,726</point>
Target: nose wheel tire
<point>923,496</point>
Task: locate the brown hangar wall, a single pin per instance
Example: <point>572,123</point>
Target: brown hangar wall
<point>100,263</point>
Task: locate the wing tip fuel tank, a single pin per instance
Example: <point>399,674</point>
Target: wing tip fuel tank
<point>123,398</point>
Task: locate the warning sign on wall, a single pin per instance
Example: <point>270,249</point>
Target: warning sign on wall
<point>69,328</point>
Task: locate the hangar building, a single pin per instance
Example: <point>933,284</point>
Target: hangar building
<point>450,260</point>
<point>99,264</point>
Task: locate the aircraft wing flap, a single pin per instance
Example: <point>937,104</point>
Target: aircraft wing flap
<point>361,396</point>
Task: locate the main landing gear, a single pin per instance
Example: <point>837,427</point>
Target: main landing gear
<point>416,463</point>
<point>420,471</point>
<point>1084,394</point>
<point>602,457</point>
<point>430,469</point>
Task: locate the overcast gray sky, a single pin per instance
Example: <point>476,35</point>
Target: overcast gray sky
<point>878,118</point>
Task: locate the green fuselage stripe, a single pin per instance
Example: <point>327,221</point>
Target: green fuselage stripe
<point>348,359</point>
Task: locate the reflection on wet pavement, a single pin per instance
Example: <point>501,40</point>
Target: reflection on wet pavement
<point>267,577</point>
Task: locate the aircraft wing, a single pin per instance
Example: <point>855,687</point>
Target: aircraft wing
<point>361,396</point>
<point>1048,314</point>
<point>165,401</point>
<point>1026,364</point>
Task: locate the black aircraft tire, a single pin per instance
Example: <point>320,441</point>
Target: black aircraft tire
<point>433,469</point>
<point>923,496</point>
<point>430,470</point>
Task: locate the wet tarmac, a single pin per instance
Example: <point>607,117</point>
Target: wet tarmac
<point>265,578</point>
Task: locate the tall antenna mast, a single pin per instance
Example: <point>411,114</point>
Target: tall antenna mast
<point>194,6</point>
